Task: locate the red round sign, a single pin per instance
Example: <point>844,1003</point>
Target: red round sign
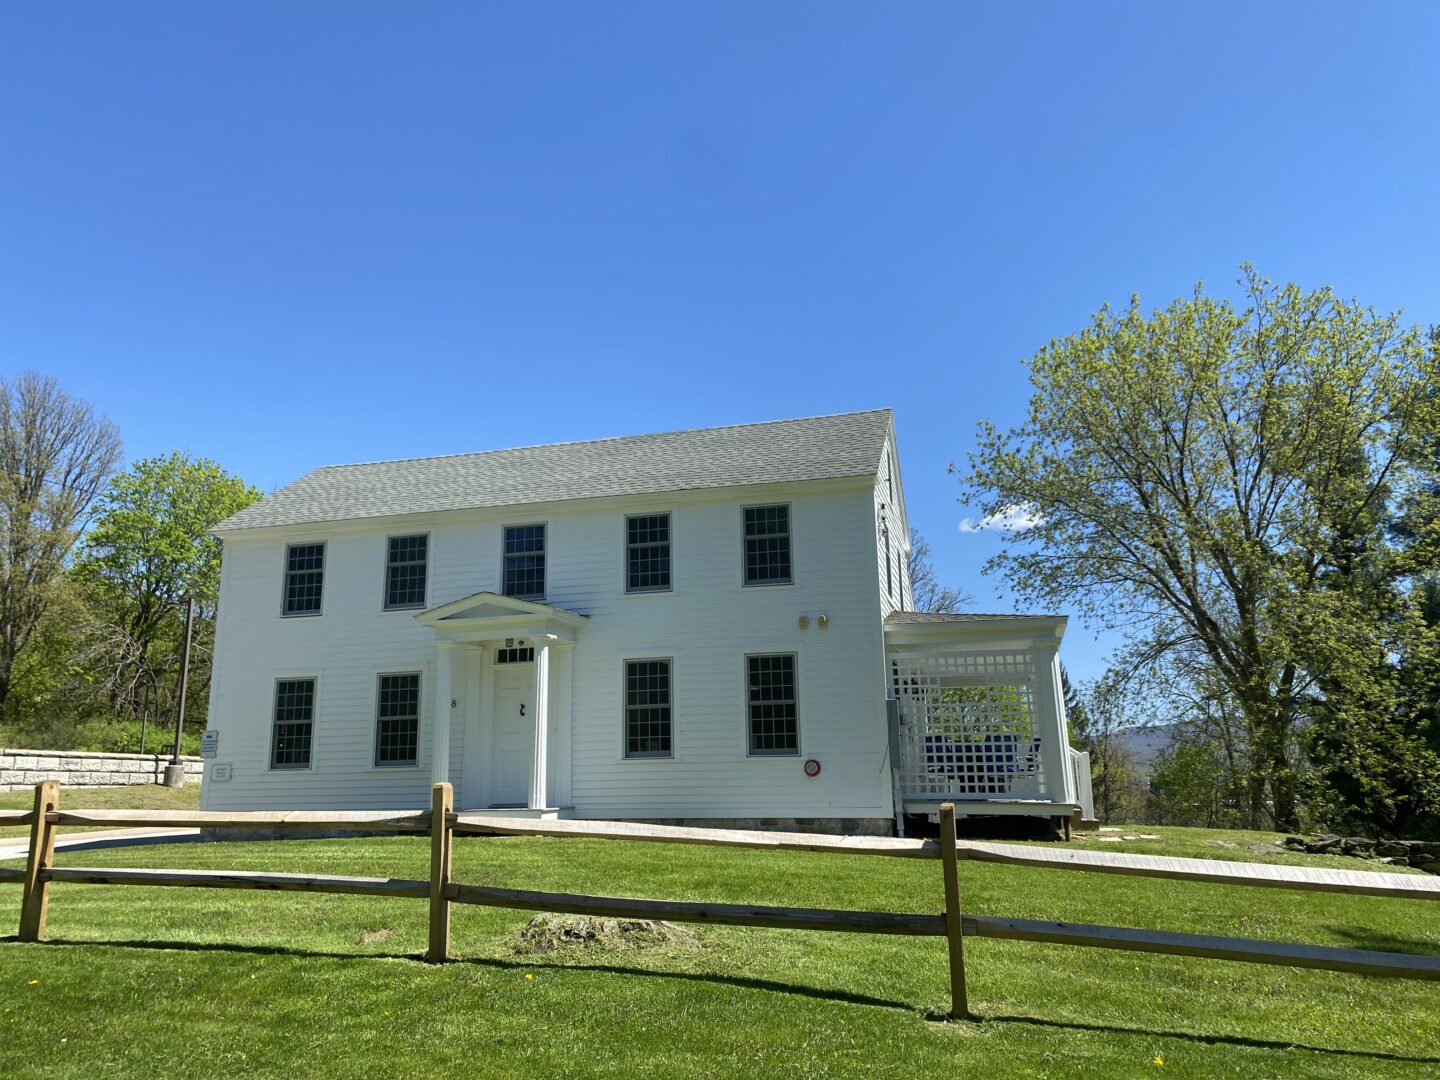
<point>812,767</point>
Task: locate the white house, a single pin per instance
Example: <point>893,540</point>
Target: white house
<point>706,626</point>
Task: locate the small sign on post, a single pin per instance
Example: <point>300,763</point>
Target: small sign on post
<point>210,743</point>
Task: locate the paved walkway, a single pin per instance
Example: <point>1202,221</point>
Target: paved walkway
<point>16,847</point>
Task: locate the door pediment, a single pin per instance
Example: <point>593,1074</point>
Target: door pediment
<point>485,615</point>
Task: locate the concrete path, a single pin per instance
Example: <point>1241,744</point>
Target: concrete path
<point>16,847</point>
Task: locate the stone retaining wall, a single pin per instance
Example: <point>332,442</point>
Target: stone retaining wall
<point>1421,854</point>
<point>73,768</point>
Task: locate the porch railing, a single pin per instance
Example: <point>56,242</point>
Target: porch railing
<point>979,726</point>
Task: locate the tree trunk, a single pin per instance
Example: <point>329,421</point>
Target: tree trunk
<point>7,665</point>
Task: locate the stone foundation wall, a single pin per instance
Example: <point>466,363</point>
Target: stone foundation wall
<point>73,768</point>
<point>882,826</point>
<point>833,826</point>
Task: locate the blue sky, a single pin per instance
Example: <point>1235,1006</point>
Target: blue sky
<point>284,235</point>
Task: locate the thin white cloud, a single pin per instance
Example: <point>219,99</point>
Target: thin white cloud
<point>1011,519</point>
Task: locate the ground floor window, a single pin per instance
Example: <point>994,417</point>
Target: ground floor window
<point>774,719</point>
<point>397,719</point>
<point>647,708</point>
<point>294,724</point>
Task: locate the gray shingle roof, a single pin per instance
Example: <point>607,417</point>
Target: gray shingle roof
<point>816,448</point>
<point>897,618</point>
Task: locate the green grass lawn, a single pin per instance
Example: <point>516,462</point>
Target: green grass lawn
<point>131,797</point>
<point>200,982</point>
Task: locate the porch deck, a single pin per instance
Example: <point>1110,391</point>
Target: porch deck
<point>528,813</point>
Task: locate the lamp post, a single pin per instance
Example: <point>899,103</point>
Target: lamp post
<point>175,771</point>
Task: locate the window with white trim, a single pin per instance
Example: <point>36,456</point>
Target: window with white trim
<point>647,553</point>
<point>767,545</point>
<point>524,570</point>
<point>647,708</point>
<point>406,561</point>
<point>773,715</point>
<point>293,727</point>
<point>304,578</point>
<point>397,719</point>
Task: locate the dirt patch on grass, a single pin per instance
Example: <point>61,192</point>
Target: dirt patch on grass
<point>560,933</point>
<point>370,937</point>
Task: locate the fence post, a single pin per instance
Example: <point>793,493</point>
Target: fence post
<point>41,857</point>
<point>959,1007</point>
<point>442,804</point>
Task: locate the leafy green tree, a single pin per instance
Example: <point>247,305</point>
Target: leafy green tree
<point>1107,708</point>
<point>149,548</point>
<point>56,453</point>
<point>1188,473</point>
<point>1187,785</point>
<point>1077,716</point>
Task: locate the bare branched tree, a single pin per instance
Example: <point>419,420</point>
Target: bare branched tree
<point>56,453</point>
<point>926,591</point>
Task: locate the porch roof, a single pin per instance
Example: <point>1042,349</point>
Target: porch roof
<point>484,616</point>
<point>941,627</point>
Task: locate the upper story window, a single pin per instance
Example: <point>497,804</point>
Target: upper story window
<point>774,718</point>
<point>397,719</point>
<point>767,545</point>
<point>647,708</point>
<point>294,724</point>
<point>647,553</point>
<point>524,570</point>
<point>405,563</point>
<point>304,578</point>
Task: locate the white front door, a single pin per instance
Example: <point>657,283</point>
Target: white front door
<point>513,734</point>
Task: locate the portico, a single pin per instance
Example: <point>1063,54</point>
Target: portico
<point>502,689</point>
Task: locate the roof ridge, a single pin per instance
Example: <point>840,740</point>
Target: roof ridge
<point>604,439</point>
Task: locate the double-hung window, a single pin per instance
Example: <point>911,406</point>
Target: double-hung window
<point>397,719</point>
<point>292,731</point>
<point>405,565</point>
<point>774,719</point>
<point>304,578</point>
<point>767,545</point>
<point>524,570</point>
<point>647,708</point>
<point>647,553</point>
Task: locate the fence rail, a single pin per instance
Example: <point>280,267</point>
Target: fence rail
<point>952,924</point>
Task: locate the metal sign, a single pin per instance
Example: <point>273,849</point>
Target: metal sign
<point>218,772</point>
<point>210,743</point>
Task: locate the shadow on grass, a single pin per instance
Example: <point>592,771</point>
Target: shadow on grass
<point>749,983</point>
<point>217,946</point>
<point>1197,1037</point>
<point>1385,942</point>
<point>739,981</point>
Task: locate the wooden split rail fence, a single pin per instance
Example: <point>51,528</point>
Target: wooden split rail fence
<point>953,925</point>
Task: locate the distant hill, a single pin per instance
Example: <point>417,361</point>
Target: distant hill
<point>1144,743</point>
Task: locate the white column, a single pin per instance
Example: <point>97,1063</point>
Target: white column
<point>444,695</point>
<point>1050,707</point>
<point>540,770</point>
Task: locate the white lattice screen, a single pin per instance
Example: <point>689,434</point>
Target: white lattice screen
<point>968,728</point>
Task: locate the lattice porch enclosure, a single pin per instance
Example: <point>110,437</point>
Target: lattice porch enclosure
<point>969,727</point>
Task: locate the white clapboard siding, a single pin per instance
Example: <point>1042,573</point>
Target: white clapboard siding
<point>892,535</point>
<point>706,624</point>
